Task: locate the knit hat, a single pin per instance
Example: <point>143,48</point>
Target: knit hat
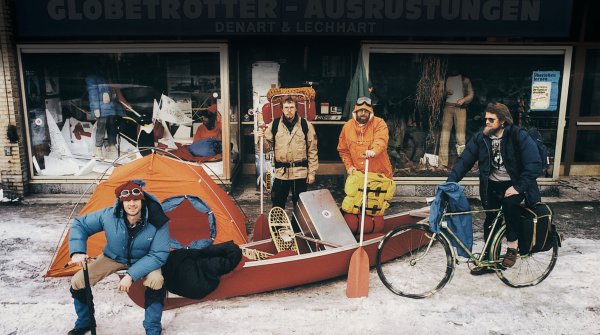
<point>130,190</point>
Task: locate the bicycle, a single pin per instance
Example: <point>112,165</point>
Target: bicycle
<point>430,260</point>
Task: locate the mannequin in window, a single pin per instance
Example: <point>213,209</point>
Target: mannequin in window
<point>459,93</point>
<point>207,140</point>
<point>106,109</point>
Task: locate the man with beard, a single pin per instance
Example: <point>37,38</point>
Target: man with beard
<point>509,163</point>
<point>294,142</point>
<point>365,136</point>
<point>137,240</point>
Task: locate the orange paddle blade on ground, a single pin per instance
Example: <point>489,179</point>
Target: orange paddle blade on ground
<point>261,229</point>
<point>358,272</point>
<point>358,275</point>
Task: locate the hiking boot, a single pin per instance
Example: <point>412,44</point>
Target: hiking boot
<point>510,258</point>
<point>99,153</point>
<point>111,149</point>
<point>481,270</point>
<point>79,331</point>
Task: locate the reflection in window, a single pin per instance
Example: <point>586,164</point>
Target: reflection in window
<point>319,71</point>
<point>433,103</point>
<point>83,107</point>
<point>586,149</point>
<point>590,99</point>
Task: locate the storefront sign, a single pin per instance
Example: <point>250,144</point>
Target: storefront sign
<point>544,90</point>
<point>171,18</point>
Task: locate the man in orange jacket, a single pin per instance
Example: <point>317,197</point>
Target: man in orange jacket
<point>365,136</point>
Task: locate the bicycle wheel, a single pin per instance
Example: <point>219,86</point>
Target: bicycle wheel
<point>529,269</point>
<point>413,262</point>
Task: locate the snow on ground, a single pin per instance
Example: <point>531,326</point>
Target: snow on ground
<point>568,302</point>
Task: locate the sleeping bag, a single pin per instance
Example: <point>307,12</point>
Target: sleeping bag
<point>194,273</point>
<point>206,147</point>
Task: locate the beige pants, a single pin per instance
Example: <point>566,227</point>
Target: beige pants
<point>104,266</point>
<point>456,116</point>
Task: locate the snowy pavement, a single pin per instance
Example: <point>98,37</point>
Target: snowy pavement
<point>568,302</point>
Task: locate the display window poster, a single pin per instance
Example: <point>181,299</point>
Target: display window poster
<point>544,90</point>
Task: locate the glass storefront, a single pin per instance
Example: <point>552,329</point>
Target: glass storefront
<point>433,98</point>
<point>86,105</point>
<point>590,98</point>
<point>586,150</point>
<point>318,71</point>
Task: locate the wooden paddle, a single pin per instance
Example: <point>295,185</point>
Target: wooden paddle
<point>261,226</point>
<point>358,272</point>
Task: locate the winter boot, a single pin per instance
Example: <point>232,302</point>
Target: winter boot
<point>82,325</point>
<point>154,300</point>
<point>112,149</point>
<point>99,153</point>
<point>79,331</point>
<point>510,258</point>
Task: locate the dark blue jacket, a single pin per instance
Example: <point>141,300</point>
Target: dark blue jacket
<point>453,195</point>
<point>522,161</point>
<point>146,252</point>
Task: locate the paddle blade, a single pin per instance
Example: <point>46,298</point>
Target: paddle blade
<point>261,229</point>
<point>358,275</point>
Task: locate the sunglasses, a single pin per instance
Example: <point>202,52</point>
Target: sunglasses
<point>490,119</point>
<point>364,101</point>
<point>126,193</point>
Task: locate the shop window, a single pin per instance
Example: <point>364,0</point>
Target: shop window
<point>413,92</point>
<point>85,110</point>
<point>586,147</point>
<point>320,71</point>
<point>590,98</point>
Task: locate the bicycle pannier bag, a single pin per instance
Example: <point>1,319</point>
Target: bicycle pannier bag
<point>536,229</point>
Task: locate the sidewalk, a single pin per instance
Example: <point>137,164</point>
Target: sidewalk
<point>245,192</point>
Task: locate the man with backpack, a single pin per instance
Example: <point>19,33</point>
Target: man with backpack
<point>294,142</point>
<point>509,163</point>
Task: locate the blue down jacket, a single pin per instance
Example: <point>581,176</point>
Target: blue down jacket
<point>523,167</point>
<point>462,225</point>
<point>146,252</point>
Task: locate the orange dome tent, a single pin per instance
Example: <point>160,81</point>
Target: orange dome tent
<point>164,177</point>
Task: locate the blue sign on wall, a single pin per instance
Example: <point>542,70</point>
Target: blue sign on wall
<point>544,90</point>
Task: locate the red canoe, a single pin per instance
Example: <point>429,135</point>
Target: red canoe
<point>289,270</point>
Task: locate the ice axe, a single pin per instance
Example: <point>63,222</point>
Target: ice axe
<point>89,299</point>
<point>261,226</point>
<point>358,271</point>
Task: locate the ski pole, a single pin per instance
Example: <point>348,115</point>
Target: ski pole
<point>88,297</point>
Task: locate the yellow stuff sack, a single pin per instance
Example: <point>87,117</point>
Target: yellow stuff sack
<point>354,205</point>
<point>380,190</point>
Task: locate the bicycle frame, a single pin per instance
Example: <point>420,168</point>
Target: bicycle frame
<point>447,232</point>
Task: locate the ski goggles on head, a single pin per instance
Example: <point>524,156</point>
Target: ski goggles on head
<point>136,192</point>
<point>364,101</point>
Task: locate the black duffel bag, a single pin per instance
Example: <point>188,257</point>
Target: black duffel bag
<point>537,231</point>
